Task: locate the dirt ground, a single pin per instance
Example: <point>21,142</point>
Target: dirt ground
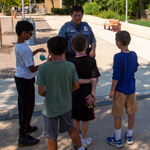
<point>6,49</point>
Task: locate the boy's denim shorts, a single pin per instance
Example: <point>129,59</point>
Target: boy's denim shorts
<point>122,100</point>
<point>51,125</point>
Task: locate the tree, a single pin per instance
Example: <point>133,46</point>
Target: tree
<point>10,3</point>
<point>70,3</point>
<point>142,9</point>
<point>135,7</point>
<point>53,6</point>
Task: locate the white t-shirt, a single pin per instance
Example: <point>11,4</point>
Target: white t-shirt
<point>24,59</point>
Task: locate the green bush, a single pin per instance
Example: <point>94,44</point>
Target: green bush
<point>111,14</point>
<point>91,8</point>
<point>61,11</point>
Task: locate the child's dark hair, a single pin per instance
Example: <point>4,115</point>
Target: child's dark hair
<point>77,8</point>
<point>23,26</point>
<point>123,37</point>
<point>79,42</point>
<point>57,45</point>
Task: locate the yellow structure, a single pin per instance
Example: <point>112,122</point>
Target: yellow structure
<point>48,5</point>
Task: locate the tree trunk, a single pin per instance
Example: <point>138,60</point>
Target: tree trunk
<point>53,7</point>
<point>142,9</point>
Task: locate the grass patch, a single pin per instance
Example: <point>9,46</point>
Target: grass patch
<point>140,22</point>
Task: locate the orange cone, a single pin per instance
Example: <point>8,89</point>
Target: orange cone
<point>14,15</point>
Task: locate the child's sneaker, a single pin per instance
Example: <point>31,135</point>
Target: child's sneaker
<point>129,140</point>
<point>88,142</point>
<point>112,141</point>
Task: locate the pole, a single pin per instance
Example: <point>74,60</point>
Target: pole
<point>12,18</point>
<point>74,2</point>
<point>22,9</point>
<point>0,34</point>
<point>126,11</point>
<point>30,7</point>
<point>91,1</point>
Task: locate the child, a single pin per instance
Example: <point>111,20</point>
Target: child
<point>56,80</point>
<point>25,78</point>
<point>123,88</point>
<point>88,76</point>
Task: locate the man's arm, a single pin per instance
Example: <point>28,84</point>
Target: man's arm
<point>93,50</point>
<point>38,50</point>
<point>41,90</point>
<point>113,87</point>
<point>75,86</point>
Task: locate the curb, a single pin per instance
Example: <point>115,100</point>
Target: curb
<point>100,101</point>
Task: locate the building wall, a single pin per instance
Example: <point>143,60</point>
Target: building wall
<point>48,5</point>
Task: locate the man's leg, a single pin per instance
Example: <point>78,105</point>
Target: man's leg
<point>52,145</point>
<point>74,135</point>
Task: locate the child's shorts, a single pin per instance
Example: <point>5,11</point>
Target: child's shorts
<point>50,125</point>
<point>122,100</point>
<point>83,114</point>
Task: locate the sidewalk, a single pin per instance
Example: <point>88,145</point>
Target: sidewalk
<point>103,124</point>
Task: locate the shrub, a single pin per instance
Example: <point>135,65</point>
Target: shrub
<point>61,11</point>
<point>91,8</point>
<point>111,14</point>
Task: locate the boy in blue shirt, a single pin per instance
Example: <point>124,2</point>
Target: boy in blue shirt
<point>123,88</point>
<point>56,80</point>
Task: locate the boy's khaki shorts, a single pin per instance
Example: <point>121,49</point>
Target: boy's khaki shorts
<point>122,100</point>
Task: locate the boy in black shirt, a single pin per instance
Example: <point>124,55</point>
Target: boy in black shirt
<point>88,77</point>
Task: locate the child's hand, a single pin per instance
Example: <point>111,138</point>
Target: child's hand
<point>49,58</point>
<point>111,94</point>
<point>41,50</point>
<point>90,99</point>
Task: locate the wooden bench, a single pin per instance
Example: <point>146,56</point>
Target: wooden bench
<point>114,23</point>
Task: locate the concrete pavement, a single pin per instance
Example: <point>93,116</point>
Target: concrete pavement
<point>99,130</point>
<point>103,124</point>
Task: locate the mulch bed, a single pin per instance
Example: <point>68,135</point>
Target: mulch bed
<point>6,49</point>
<point>10,33</point>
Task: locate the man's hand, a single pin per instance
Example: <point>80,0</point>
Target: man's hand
<point>92,54</point>
<point>111,94</point>
<point>90,99</point>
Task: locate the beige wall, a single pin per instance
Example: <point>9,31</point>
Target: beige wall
<point>136,30</point>
<point>48,5</point>
<point>40,5</point>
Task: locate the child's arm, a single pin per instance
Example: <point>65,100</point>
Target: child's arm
<point>38,50</point>
<point>75,86</point>
<point>91,97</point>
<point>85,81</point>
<point>41,90</point>
<point>113,87</point>
<point>33,68</point>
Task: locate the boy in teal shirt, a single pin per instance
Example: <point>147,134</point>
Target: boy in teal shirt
<point>56,80</point>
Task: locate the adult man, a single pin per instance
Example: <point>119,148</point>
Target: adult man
<point>76,26</point>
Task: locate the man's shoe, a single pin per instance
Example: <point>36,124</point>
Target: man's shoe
<point>27,140</point>
<point>129,140</point>
<point>32,129</point>
<point>112,141</point>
